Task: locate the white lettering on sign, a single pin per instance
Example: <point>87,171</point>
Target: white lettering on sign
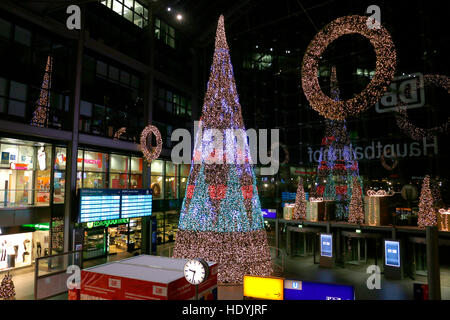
<point>407,90</point>
<point>114,283</point>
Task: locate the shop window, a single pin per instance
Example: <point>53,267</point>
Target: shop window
<point>60,175</point>
<point>15,250</point>
<point>94,180</point>
<point>136,181</point>
<point>136,165</point>
<point>171,188</point>
<point>95,161</point>
<point>157,167</point>
<point>119,163</point>
<point>80,160</point>
<point>157,187</point>
<point>42,188</point>
<point>118,181</point>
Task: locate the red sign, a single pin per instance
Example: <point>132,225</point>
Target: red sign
<point>18,166</point>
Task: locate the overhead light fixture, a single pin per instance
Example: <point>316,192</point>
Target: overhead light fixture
<point>169,9</point>
<point>179,17</point>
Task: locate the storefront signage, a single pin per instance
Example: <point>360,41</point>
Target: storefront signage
<point>392,253</point>
<point>303,290</point>
<point>269,213</point>
<point>269,288</point>
<point>110,204</point>
<point>19,166</point>
<point>326,245</point>
<point>39,226</point>
<point>105,223</point>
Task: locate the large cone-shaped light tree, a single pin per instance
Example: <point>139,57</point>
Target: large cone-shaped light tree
<point>427,215</point>
<point>41,113</point>
<point>221,217</point>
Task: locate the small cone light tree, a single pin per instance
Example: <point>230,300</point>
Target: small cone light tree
<point>427,216</point>
<point>300,203</point>
<point>356,210</point>
<point>221,218</point>
<point>40,115</point>
<point>7,289</point>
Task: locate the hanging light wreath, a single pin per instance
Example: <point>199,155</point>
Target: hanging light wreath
<point>151,153</point>
<point>384,70</point>
<point>410,129</point>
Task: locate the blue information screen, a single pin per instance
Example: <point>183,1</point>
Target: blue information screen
<point>109,204</point>
<point>136,203</point>
<point>326,245</point>
<point>269,213</point>
<point>302,290</point>
<point>392,253</point>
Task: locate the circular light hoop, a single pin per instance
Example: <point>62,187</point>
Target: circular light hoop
<point>154,152</point>
<point>384,70</point>
<point>417,133</point>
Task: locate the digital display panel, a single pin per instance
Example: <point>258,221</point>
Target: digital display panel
<point>110,204</point>
<point>269,213</point>
<point>99,204</point>
<point>268,288</point>
<point>303,290</point>
<point>136,203</point>
<point>326,245</point>
<point>392,253</point>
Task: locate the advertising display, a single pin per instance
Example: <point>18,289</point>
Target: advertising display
<point>269,288</point>
<point>392,253</point>
<point>15,250</point>
<point>303,290</point>
<point>110,204</point>
<point>326,245</point>
<point>269,213</point>
<point>144,277</point>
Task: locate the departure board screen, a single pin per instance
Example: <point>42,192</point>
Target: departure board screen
<point>99,204</point>
<point>108,204</point>
<point>136,203</point>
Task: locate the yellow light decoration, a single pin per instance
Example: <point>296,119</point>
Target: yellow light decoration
<point>154,152</point>
<point>410,129</point>
<point>384,70</point>
<point>444,213</point>
<point>312,199</point>
<point>380,193</point>
<point>119,132</point>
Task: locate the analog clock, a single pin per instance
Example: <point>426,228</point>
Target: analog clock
<point>196,271</point>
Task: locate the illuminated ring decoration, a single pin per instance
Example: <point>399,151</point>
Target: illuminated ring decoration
<point>384,70</point>
<point>380,193</point>
<point>413,131</point>
<point>312,199</point>
<point>154,152</point>
<point>119,132</point>
<point>386,166</point>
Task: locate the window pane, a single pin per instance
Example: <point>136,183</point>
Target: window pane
<point>102,69</point>
<point>128,14</point>
<point>18,91</point>
<point>17,108</point>
<point>125,77</point>
<point>113,73</point>
<point>22,36</point>
<point>118,181</point>
<point>138,20</point>
<point>136,181</point>
<point>60,160</point>
<point>157,23</point>
<point>171,169</point>
<point>157,167</point>
<point>5,29</point>
<point>136,165</point>
<point>171,188</point>
<point>156,185</point>
<point>80,160</point>
<point>86,108</point>
<point>59,186</point>
<point>94,180</point>
<point>119,163</point>
<point>138,8</point>
<point>135,82</point>
<point>129,3</point>
<point>95,161</point>
<point>117,7</point>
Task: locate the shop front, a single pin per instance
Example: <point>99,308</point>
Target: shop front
<point>20,246</point>
<point>109,237</point>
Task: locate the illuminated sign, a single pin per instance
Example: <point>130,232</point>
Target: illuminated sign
<point>326,245</point>
<point>18,166</point>
<point>113,204</point>
<point>268,288</point>
<point>303,290</point>
<point>269,213</point>
<point>392,253</point>
<point>106,223</point>
<point>39,226</point>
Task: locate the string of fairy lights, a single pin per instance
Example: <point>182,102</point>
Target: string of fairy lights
<point>356,208</point>
<point>384,70</point>
<point>150,152</point>
<point>413,131</point>
<point>40,115</point>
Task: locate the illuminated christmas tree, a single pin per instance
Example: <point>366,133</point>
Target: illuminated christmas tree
<point>221,217</point>
<point>356,209</point>
<point>300,202</point>
<point>337,162</point>
<point>427,215</point>
<point>40,115</point>
<point>7,289</point>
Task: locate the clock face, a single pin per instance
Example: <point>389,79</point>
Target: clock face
<point>195,271</point>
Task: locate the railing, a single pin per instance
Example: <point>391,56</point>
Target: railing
<point>13,198</point>
<point>50,276</point>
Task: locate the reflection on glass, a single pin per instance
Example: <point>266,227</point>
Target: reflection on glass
<point>118,181</point>
<point>156,185</point>
<point>95,180</point>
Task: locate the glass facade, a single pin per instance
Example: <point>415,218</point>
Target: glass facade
<point>25,173</point>
<point>132,10</point>
<point>165,33</point>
